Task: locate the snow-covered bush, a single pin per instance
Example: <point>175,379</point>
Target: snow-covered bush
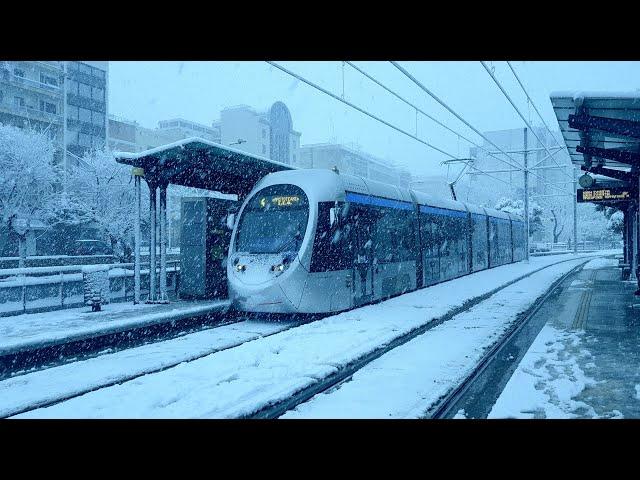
<point>96,286</point>
<point>616,222</point>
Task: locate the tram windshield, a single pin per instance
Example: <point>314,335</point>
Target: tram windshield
<point>274,221</point>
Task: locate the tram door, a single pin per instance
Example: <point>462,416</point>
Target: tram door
<point>363,262</point>
<point>431,253</point>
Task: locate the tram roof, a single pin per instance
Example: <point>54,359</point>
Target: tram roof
<point>200,163</point>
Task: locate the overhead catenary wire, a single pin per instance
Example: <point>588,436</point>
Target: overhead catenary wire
<point>450,110</point>
<point>454,113</point>
<point>497,82</point>
<point>418,109</point>
<point>534,106</point>
<point>363,111</point>
<point>562,147</point>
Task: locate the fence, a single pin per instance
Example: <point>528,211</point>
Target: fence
<point>38,289</point>
<point>585,245</point>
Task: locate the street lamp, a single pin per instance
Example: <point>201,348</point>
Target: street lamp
<point>240,140</point>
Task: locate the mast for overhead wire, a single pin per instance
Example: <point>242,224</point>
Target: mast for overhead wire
<point>526,194</point>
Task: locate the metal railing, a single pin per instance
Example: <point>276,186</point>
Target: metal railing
<point>565,246</point>
<point>37,289</point>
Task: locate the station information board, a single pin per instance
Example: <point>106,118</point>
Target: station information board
<point>604,194</point>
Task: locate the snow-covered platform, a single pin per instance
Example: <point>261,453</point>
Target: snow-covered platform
<point>35,332</point>
<point>585,363</point>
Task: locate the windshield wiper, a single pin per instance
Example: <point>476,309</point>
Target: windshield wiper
<point>295,238</point>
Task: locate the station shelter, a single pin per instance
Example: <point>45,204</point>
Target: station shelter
<point>192,162</point>
<point>601,131</point>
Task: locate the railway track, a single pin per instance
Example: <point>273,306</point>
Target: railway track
<point>277,409</point>
<point>344,374</point>
<point>128,378</point>
<point>449,405</point>
<point>26,361</point>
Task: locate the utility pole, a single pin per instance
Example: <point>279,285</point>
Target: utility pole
<point>575,213</point>
<point>526,193</point>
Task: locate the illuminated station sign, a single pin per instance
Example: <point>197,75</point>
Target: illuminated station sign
<point>604,194</point>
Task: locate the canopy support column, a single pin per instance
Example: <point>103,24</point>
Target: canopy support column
<point>163,243</point>
<point>152,241</point>
<point>137,172</point>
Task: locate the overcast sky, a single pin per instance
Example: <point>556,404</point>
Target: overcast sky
<point>151,91</point>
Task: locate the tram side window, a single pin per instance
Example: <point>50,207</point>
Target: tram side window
<point>331,245</point>
<point>394,235</point>
<point>432,233</point>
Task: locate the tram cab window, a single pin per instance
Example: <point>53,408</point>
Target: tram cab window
<point>274,221</point>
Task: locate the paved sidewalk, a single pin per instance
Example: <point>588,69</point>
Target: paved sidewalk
<point>585,363</point>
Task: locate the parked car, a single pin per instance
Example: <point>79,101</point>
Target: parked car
<point>91,247</point>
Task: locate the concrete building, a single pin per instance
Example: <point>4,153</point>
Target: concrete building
<point>269,133</point>
<point>178,128</point>
<point>352,161</point>
<point>32,93</point>
<point>128,136</point>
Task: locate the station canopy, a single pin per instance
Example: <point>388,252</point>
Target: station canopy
<point>196,162</point>
<point>601,131</point>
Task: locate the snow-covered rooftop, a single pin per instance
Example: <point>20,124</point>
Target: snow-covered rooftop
<point>197,162</point>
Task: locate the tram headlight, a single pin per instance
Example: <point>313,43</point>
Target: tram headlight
<point>279,267</point>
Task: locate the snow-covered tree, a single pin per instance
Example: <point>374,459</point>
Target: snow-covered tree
<point>558,219</point>
<point>30,182</point>
<point>103,194</point>
<point>516,207</point>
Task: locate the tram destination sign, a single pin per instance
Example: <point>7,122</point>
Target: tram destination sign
<point>604,194</point>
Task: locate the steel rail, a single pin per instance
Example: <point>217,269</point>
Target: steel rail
<point>446,406</point>
<point>278,408</point>
<point>128,378</point>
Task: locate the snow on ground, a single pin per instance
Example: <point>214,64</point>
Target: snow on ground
<point>546,381</point>
<point>38,388</point>
<point>405,382</point>
<point>597,263</point>
<point>241,380</point>
<point>32,330</point>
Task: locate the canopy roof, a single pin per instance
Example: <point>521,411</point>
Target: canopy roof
<point>601,130</point>
<point>200,163</point>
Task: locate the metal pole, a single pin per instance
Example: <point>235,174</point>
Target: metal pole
<point>152,242</point>
<point>634,259</point>
<point>634,217</point>
<point>575,213</point>
<point>64,121</point>
<point>526,193</point>
<point>163,243</point>
<point>136,265</point>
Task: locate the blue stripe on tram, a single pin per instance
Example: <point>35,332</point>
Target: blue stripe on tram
<point>378,201</point>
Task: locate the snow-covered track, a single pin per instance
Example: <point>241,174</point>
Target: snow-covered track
<point>294,321</point>
<point>22,361</point>
<point>450,404</point>
<point>277,409</point>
